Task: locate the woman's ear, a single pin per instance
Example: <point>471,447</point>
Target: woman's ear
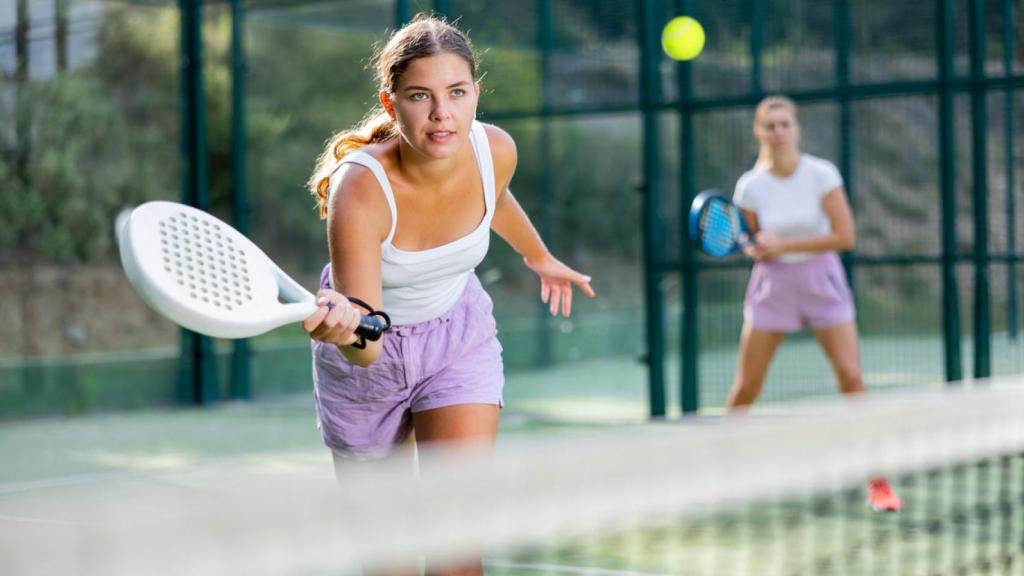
<point>387,102</point>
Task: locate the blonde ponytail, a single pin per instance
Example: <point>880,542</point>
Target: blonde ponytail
<point>376,127</point>
<point>763,157</point>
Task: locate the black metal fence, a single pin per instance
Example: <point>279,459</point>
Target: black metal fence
<point>226,104</point>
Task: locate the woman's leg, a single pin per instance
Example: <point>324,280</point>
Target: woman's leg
<point>757,348</point>
<point>345,467</point>
<point>476,423</point>
<point>841,345</point>
<point>406,452</point>
<point>461,422</point>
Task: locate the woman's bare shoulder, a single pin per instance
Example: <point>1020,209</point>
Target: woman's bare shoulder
<point>503,151</point>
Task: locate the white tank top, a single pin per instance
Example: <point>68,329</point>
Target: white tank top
<point>424,284</point>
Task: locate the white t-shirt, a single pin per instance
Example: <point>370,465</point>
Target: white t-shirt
<point>791,206</point>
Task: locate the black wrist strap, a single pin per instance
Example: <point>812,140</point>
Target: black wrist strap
<point>360,344</point>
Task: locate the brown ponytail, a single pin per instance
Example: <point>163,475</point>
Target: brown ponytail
<point>376,127</point>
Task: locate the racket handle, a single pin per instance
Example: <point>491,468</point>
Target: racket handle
<point>372,327</point>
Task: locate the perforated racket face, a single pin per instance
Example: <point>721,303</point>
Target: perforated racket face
<point>196,269</point>
<point>205,263</point>
<point>720,227</point>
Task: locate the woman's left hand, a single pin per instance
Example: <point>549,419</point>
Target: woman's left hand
<point>768,246</point>
<point>556,281</point>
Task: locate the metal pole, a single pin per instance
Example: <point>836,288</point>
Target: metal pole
<point>947,177</point>
<point>61,34</point>
<point>650,96</point>
<point>1011,209</point>
<point>756,43</point>
<point>841,19</point>
<point>403,12</point>
<point>979,166</point>
<point>442,8</point>
<point>21,99</point>
<point>240,387</point>
<point>545,40</point>
<point>198,374</point>
<point>689,397</point>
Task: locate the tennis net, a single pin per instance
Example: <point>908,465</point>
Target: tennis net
<point>735,495</point>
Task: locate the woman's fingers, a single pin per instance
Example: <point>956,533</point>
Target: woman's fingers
<point>313,321</point>
<point>555,294</point>
<point>582,281</point>
<point>556,287</point>
<point>335,321</point>
<point>584,286</point>
<point>323,300</point>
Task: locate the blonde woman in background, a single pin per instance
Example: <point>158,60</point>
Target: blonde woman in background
<point>796,209</point>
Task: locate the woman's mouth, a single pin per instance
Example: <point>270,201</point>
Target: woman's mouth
<point>440,136</point>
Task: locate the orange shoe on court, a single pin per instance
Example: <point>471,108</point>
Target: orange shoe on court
<point>881,497</point>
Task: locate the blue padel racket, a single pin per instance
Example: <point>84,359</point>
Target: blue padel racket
<point>717,227</point>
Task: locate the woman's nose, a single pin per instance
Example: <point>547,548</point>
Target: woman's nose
<point>440,110</point>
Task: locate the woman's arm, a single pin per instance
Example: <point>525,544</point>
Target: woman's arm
<point>358,220</point>
<point>753,228</point>
<point>750,218</point>
<point>514,226</point>
<point>842,237</point>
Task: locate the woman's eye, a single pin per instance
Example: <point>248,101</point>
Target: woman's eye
<point>416,96</point>
<point>459,92</point>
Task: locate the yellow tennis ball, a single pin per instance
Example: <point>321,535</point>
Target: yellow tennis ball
<point>682,38</point>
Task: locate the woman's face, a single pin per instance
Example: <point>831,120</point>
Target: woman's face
<point>434,103</point>
<point>777,128</point>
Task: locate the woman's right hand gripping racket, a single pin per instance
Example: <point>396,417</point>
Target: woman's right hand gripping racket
<point>208,277</point>
<point>716,225</point>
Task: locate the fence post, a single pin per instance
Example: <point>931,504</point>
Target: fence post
<point>1011,208</point>
<point>841,35</point>
<point>650,96</point>
<point>979,169</point>
<point>545,35</point>
<point>198,371</point>
<point>689,361</point>
<point>947,177</point>
<point>240,387</point>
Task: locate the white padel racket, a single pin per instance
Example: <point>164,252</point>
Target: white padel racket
<point>208,277</point>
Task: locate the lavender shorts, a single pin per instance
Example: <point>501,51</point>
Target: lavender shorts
<point>364,413</point>
<point>791,296</point>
